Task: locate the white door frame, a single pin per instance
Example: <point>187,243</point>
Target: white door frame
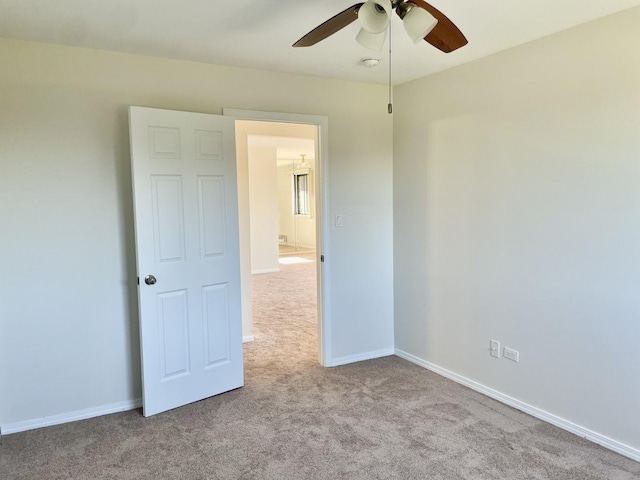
<point>322,223</point>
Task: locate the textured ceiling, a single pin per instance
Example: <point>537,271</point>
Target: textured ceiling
<point>259,33</point>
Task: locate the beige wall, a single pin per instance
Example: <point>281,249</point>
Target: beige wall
<point>517,218</point>
<point>68,312</point>
<point>263,209</point>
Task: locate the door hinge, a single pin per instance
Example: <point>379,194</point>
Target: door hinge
<point>322,258</point>
<point>138,280</point>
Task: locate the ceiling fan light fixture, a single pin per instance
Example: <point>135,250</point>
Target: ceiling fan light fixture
<point>374,15</point>
<point>370,62</point>
<point>372,41</point>
<point>418,23</point>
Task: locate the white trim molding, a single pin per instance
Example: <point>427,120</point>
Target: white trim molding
<point>71,416</point>
<point>248,338</point>
<point>266,270</point>
<point>543,415</point>
<point>361,357</point>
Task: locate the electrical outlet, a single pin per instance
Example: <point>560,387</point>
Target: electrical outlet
<point>494,348</point>
<point>511,354</point>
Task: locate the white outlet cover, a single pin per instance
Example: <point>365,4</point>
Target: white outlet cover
<point>511,354</point>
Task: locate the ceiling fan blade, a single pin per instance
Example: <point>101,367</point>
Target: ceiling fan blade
<point>445,36</point>
<point>331,26</point>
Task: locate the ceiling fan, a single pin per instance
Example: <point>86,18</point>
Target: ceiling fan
<point>420,19</point>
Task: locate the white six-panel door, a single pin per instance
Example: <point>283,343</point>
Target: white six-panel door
<point>186,222</point>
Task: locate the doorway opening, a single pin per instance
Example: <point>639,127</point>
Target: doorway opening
<point>280,188</point>
<point>282,232</point>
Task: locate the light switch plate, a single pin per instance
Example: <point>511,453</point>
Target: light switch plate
<point>494,348</point>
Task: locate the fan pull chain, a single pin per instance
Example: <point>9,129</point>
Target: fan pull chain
<point>390,106</point>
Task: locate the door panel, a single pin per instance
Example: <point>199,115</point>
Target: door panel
<point>212,218</point>
<point>174,333</point>
<point>216,320</point>
<point>168,221</point>
<point>186,222</point>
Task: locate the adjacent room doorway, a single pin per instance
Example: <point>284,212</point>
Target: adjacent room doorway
<point>281,212</point>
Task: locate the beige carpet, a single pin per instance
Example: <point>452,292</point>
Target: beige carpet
<point>380,419</point>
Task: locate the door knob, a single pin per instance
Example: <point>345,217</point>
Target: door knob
<point>150,280</point>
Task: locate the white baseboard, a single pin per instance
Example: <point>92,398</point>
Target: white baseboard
<point>266,270</point>
<point>301,247</point>
<point>583,432</point>
<point>70,416</point>
<point>248,338</point>
<point>336,362</point>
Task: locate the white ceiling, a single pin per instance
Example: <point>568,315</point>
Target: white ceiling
<point>259,33</point>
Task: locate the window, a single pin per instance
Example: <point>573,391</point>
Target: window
<point>301,194</point>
